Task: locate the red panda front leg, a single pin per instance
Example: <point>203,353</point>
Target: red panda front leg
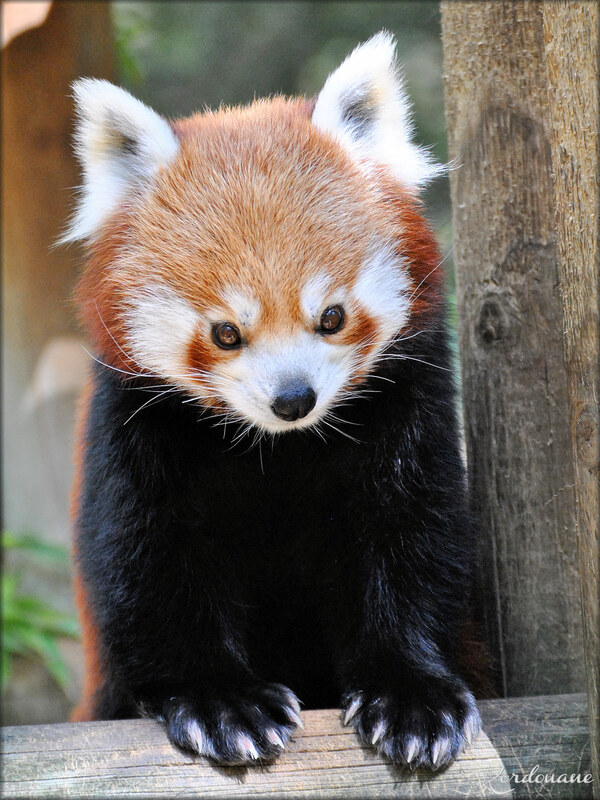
<point>163,589</point>
<point>399,594</point>
<point>401,690</point>
<point>168,655</point>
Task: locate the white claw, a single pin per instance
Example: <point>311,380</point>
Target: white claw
<point>294,702</point>
<point>439,751</point>
<point>275,738</point>
<point>194,735</point>
<point>352,709</point>
<point>377,733</point>
<point>448,719</point>
<point>472,727</point>
<point>412,748</point>
<point>469,734</point>
<point>294,717</point>
<point>246,746</point>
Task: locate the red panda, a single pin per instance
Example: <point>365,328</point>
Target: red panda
<point>270,501</point>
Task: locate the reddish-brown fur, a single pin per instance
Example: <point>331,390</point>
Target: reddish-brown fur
<point>269,200</point>
<point>89,634</point>
<point>84,710</point>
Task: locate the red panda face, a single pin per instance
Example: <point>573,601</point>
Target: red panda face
<point>259,259</point>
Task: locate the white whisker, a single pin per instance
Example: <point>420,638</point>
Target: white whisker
<point>130,358</point>
<point>437,266</point>
<point>149,402</point>
<point>343,433</point>
<point>402,357</point>
<point>109,366</point>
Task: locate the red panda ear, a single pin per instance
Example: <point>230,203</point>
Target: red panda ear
<point>363,104</point>
<point>121,144</point>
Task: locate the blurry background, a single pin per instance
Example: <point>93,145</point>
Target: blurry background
<point>178,57</point>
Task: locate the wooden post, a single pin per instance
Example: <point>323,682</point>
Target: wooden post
<point>43,361</point>
<point>522,110</point>
<point>510,334</point>
<point>38,173</point>
<point>572,36</point>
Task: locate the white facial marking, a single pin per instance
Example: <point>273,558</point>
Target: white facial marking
<point>252,380</point>
<point>245,307</point>
<point>160,327</point>
<point>313,295</point>
<point>363,104</point>
<point>318,294</point>
<point>383,288</point>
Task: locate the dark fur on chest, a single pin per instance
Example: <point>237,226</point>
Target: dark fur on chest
<point>177,527</point>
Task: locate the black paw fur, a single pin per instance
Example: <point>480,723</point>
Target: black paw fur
<point>243,726</point>
<point>428,726</point>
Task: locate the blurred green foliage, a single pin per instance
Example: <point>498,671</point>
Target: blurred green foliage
<point>30,627</point>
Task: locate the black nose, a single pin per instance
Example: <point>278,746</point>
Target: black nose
<point>294,401</point>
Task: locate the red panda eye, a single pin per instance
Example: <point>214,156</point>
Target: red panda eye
<point>332,319</point>
<point>226,336</point>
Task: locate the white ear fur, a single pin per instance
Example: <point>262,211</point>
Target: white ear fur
<point>121,144</point>
<point>364,105</point>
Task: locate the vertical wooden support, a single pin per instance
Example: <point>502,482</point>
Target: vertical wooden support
<point>514,384</point>
<point>572,36</point>
<point>522,110</point>
<point>43,363</point>
<point>38,172</point>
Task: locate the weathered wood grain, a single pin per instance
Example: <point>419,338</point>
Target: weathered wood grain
<point>134,758</point>
<point>516,397</point>
<point>572,36</point>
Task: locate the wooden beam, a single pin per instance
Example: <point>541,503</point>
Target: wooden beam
<point>516,398</point>
<point>572,36</point>
<point>524,739</point>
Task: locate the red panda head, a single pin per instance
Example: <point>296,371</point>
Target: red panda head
<point>261,259</point>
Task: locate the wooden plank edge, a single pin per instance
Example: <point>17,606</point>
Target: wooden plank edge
<point>529,746</point>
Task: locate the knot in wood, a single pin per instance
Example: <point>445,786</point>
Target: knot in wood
<point>497,321</point>
<point>587,437</point>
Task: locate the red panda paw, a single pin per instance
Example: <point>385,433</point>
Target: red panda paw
<point>240,727</point>
<point>426,725</point>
